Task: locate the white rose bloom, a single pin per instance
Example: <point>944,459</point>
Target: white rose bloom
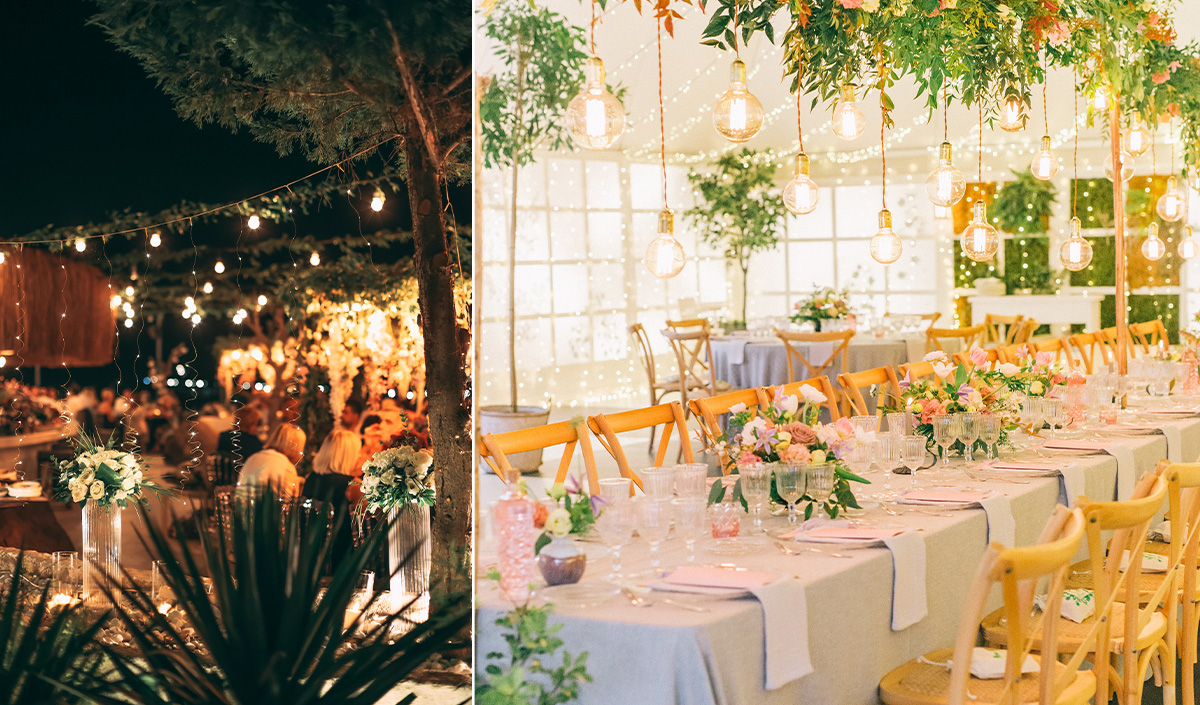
<point>121,495</point>
<point>422,460</point>
<point>128,485</point>
<point>97,490</point>
<point>79,493</point>
<point>369,483</point>
<point>812,395</point>
<point>388,478</point>
<point>414,487</point>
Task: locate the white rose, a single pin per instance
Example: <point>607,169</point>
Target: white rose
<point>86,477</point>
<point>128,485</point>
<point>369,483</point>
<point>1008,369</point>
<point>812,395</point>
<point>79,493</point>
<point>121,495</point>
<point>422,460</point>
<point>72,483</point>
<point>97,490</point>
<point>389,477</point>
<point>414,487</point>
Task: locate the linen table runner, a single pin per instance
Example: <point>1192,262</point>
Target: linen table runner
<point>909,603</point>
<point>1071,480</point>
<point>1126,470</point>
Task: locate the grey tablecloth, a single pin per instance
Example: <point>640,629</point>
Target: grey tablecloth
<point>764,360</point>
<point>665,655</point>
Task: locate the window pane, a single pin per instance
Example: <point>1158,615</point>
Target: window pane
<point>603,184</point>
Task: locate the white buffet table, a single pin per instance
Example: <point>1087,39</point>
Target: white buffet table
<point>1059,310</point>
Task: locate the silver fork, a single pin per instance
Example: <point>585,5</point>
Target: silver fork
<point>634,599</point>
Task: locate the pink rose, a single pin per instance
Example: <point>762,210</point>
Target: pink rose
<point>796,453</point>
<point>844,427</point>
<point>851,4</point>
<point>801,433</point>
<point>979,357</point>
<point>748,458</point>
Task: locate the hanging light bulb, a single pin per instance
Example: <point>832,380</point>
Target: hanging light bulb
<point>1076,252</point>
<point>801,194</point>
<point>1153,248</point>
<point>253,222</point>
<point>219,267</point>
<point>315,258</point>
<point>1126,166</point>
<point>155,239</point>
<point>80,244</point>
<point>595,118</point>
<point>979,240</point>
<point>664,256</point>
<point>1100,98</point>
<point>1045,164</point>
<point>1138,139</point>
<point>1170,205</point>
<point>886,245</point>
<point>848,121</point>
<point>377,200</point>
<point>1012,114</point>
<point>1187,246</point>
<point>738,115</point>
<point>946,184</point>
<point>208,288</point>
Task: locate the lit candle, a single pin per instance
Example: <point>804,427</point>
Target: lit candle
<point>164,608</point>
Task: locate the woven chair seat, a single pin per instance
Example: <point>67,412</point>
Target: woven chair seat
<point>919,683</point>
<point>1080,578</point>
<point>1072,634</point>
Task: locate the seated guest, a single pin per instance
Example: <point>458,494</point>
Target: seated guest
<point>243,434</point>
<point>373,438</point>
<point>335,465</point>
<point>275,465</point>
<point>351,415</point>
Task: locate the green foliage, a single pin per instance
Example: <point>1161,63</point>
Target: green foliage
<point>522,108</point>
<point>1023,206</point>
<point>1145,307</point>
<point>528,677</point>
<point>272,631</point>
<point>1034,254</point>
<point>46,652</point>
<point>741,212</point>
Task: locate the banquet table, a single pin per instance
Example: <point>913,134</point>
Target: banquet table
<point>757,361</point>
<point>664,654</point>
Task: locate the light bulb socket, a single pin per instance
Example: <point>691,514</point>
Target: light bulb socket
<point>1187,231</point>
<point>666,222</point>
<point>979,211</point>
<point>594,71</point>
<point>801,164</point>
<point>1172,184</point>
<point>737,71</point>
<point>846,93</point>
<point>946,152</point>
<point>1152,231</point>
<point>1045,143</point>
<point>1076,228</point>
<point>1135,118</point>
<point>885,219</point>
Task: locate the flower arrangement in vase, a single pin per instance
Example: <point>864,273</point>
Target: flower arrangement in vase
<point>399,482</point>
<point>787,431</point>
<point>826,304</point>
<point>1034,375</point>
<point>398,478</point>
<point>574,514</point>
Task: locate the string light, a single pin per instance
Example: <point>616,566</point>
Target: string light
<point>1170,204</point>
<point>946,185</point>
<point>848,121</point>
<point>1187,246</point>
<point>595,118</point>
<point>262,300</point>
<point>315,258</point>
<point>664,255</point>
<point>1138,138</point>
<point>253,222</point>
<point>378,200</point>
<point>219,267</point>
<point>1126,164</point>
<point>208,287</point>
<point>155,239</point>
<point>1045,164</point>
<point>801,194</point>
<point>80,244</point>
<point>979,240</point>
<point>1100,99</point>
<point>2,258</point>
<point>1013,114</point>
<point>738,114</point>
<point>129,291</point>
<point>1076,252</point>
<point>886,246</point>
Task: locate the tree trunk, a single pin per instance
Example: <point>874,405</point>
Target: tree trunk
<point>446,345</point>
<point>745,266</point>
<point>519,112</point>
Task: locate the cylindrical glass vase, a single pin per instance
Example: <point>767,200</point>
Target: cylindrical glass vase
<point>410,557</point>
<point>516,537</point>
<point>101,552</point>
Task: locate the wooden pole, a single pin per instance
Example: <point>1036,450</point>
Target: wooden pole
<point>1114,141</point>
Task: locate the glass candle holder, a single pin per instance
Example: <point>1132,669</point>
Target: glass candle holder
<point>726,520</point>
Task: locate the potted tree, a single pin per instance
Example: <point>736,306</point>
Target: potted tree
<point>521,111</point>
<point>741,212</point>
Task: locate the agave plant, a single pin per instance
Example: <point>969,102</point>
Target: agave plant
<point>44,654</point>
<point>272,631</point>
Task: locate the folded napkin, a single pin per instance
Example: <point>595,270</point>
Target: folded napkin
<point>819,522</point>
<point>1002,528</point>
<point>990,664</point>
<point>1126,470</point>
<point>1077,605</point>
<point>735,350</point>
<point>1151,562</point>
<point>1026,465</point>
<point>909,604</point>
<point>818,353</point>
<point>1162,532</point>
<point>785,632</point>
<point>1174,440</point>
<point>711,576</point>
<point>1072,485</point>
<point>946,496</point>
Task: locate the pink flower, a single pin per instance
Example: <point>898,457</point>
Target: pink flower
<point>1045,358</point>
<point>933,407</point>
<point>979,357</point>
<point>796,454</point>
<point>748,458</point>
<point>844,427</point>
<point>851,4</point>
<point>1162,77</point>
<point>1058,33</point>
<point>802,434</point>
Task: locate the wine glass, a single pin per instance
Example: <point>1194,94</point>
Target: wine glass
<point>970,434</point>
<point>790,483</point>
<point>614,490</point>
<point>653,524</point>
<point>989,433</point>
<point>899,423</point>
<point>1054,412</point>
<point>912,453</point>
<point>756,488</point>
<point>615,527</point>
<point>958,430</point>
<point>691,515</point>
<point>887,456</point>
<point>820,481</point>
<point>690,480</point>
<point>865,424</point>
<point>943,435</point>
<point>658,482</point>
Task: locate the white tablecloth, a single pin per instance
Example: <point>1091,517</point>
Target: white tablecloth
<point>666,655</point>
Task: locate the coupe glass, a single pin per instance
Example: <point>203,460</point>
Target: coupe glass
<point>989,433</point>
<point>887,456</point>
<point>900,423</point>
<point>658,482</point>
<point>943,435</point>
<point>790,483</point>
<point>820,481</point>
<point>615,528</point>
<point>865,424</point>
<point>691,519</point>
<point>653,524</point>
<point>756,488</point>
<point>690,480</point>
<point>912,454</point>
<point>969,434</point>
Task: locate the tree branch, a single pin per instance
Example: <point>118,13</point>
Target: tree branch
<point>415,98</point>
<point>466,73</point>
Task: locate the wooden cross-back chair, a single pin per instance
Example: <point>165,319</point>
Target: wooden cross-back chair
<point>1001,329</point>
<point>821,384</point>
<point>915,370</point>
<point>1086,346</point>
<point>1148,336</point>
<point>495,447</point>
<point>1025,331</point>
<point>1117,629</point>
<point>1017,571</point>
<point>1109,336</point>
<point>692,346</point>
<point>669,416</point>
<point>1013,353</point>
<point>645,355</point>
<point>967,338</point>
<point>1184,551</point>
<point>964,357</point>
<point>709,410</point>
<point>1059,346</point>
<point>839,340</point>
<point>852,384</point>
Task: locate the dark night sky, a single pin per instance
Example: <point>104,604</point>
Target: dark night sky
<point>86,133</point>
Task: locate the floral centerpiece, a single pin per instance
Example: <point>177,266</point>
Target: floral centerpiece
<point>1034,375</point>
<point>954,389</point>
<point>787,431</point>
<point>574,514</point>
<point>398,478</point>
<point>824,305</point>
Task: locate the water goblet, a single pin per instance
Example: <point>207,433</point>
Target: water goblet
<point>790,483</point>
<point>615,489</point>
<point>658,482</point>
<point>969,433</point>
<point>653,524</point>
<point>1054,412</point>
<point>943,435</point>
<point>820,481</point>
<point>690,480</point>
<point>756,488</point>
<point>989,433</point>
<point>912,454</point>
<point>887,456</point>
<point>864,424</point>
<point>899,423</point>
<point>615,527</point>
<point>691,516</point>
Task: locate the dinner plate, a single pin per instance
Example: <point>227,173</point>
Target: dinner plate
<point>736,545</point>
<point>578,595</point>
<point>940,503</point>
<point>662,585</point>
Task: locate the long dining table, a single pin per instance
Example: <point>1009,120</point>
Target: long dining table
<point>662,653</point>
<point>746,361</point>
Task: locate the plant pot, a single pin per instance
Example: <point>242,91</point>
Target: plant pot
<point>502,419</point>
<point>561,561</point>
<point>101,552</point>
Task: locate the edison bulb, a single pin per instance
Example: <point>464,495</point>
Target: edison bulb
<point>129,291</point>
<point>155,239</point>
<point>253,222</point>
<point>2,258</point>
<point>1100,98</point>
<point>595,118</point>
<point>1171,204</point>
<point>1138,139</point>
<point>979,240</point>
<point>1187,246</point>
<point>80,244</point>
<point>664,256</point>
<point>219,267</point>
<point>801,194</point>
<point>1126,167</point>
<point>738,115</point>
<point>1012,114</point>
<point>946,184</point>
<point>208,288</point>
<point>1045,164</point>
<point>1076,252</point>
<point>315,258</point>
<point>886,245</point>
<point>377,200</point>
<point>1153,248</point>
<point>848,121</point>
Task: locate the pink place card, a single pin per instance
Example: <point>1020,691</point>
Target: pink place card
<point>853,534</point>
<point>952,497</point>
<point>708,576</point>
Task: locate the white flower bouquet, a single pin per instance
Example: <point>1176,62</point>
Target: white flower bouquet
<point>102,474</point>
<point>397,478</point>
